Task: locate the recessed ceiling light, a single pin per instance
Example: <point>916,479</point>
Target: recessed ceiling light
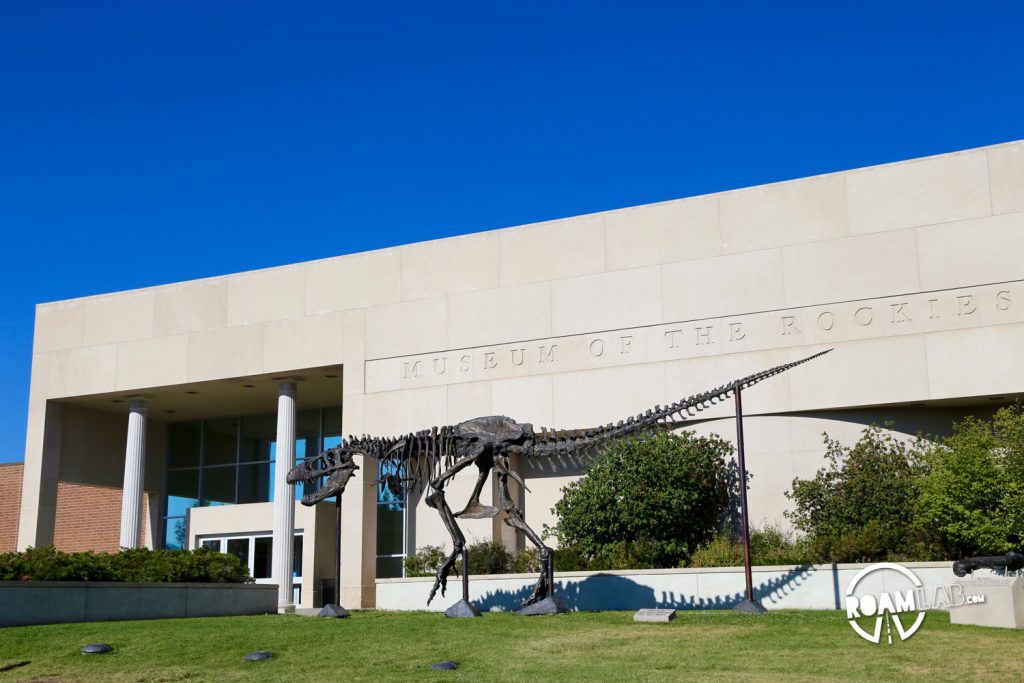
<point>248,386</point>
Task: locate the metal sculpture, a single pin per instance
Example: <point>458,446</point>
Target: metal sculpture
<point>434,456</point>
<point>1011,561</point>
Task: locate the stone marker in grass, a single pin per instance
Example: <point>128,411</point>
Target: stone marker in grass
<point>659,615</point>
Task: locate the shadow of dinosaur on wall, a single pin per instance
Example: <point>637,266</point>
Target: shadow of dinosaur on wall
<point>612,592</point>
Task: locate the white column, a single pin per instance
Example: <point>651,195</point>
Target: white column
<point>284,497</point>
<point>134,471</point>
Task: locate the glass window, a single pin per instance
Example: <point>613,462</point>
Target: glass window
<point>270,496</point>
<point>183,444</point>
<point>307,433</point>
<point>391,490</point>
<point>390,520</point>
<point>239,547</point>
<point>218,485</point>
<point>257,552</point>
<point>389,530</point>
<point>258,434</point>
<point>332,425</point>
<point>389,567</point>
<point>263,557</point>
<point>182,491</point>
<point>175,533</point>
<point>255,483</point>
<point>220,442</point>
<point>231,460</point>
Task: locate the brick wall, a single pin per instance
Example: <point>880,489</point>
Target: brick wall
<point>10,505</point>
<point>88,517</point>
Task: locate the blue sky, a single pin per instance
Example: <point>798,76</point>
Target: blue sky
<point>145,143</point>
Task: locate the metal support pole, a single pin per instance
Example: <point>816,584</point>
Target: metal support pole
<point>465,573</point>
<point>334,609</point>
<point>750,605</point>
<point>463,608</point>
<point>337,550</point>
<point>550,569</point>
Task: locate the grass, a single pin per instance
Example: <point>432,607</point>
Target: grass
<point>606,646</point>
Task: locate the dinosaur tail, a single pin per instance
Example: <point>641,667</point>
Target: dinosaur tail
<point>582,445</point>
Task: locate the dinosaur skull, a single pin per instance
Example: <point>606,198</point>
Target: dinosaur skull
<point>336,464</point>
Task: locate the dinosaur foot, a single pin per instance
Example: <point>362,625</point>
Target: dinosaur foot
<point>441,583</point>
<point>477,511</point>
<point>540,591</point>
<point>441,578</point>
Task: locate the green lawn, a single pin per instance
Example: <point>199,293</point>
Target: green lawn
<point>606,646</point>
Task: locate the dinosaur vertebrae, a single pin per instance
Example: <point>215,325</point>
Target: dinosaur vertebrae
<point>585,444</point>
<point>421,456</point>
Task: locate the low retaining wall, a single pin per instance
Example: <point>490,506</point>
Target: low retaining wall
<point>820,586</point>
<point>54,602</point>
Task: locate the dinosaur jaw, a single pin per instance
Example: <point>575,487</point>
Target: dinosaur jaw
<point>336,464</point>
<point>335,485</point>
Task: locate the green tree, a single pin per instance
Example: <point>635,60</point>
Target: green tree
<point>860,506</point>
<point>972,499</point>
<point>647,503</point>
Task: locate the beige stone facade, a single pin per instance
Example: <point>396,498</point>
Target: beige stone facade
<point>910,271</point>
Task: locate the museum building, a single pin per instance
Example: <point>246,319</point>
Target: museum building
<point>176,410</point>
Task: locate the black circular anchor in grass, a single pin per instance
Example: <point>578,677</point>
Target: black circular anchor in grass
<point>445,666</point>
<point>96,649</point>
<point>259,656</point>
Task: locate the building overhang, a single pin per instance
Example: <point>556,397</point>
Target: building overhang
<point>253,394</point>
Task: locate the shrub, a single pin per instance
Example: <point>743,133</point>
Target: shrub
<point>647,503</point>
<point>875,542</point>
<point>527,561</point>
<point>137,565</point>
<point>768,546</point>
<point>425,561</point>
<point>972,499</point>
<point>860,506</point>
<point>567,559</point>
<point>490,557</point>
<point>485,557</point>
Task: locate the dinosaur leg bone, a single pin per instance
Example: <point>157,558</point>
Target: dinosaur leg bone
<point>514,518</point>
<point>436,500</point>
<point>474,510</point>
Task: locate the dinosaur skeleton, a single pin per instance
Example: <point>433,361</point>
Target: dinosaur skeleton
<point>434,456</point>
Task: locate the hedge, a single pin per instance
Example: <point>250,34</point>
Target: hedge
<point>136,566</point>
